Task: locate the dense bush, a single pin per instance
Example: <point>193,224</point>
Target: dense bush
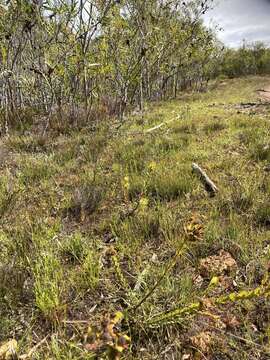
<point>250,59</point>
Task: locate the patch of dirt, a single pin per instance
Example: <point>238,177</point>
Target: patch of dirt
<point>264,93</point>
<point>253,108</point>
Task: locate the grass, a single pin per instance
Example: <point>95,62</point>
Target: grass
<point>91,224</point>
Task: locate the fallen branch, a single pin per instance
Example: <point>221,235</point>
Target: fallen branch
<point>155,127</point>
<point>208,183</point>
<point>159,126</point>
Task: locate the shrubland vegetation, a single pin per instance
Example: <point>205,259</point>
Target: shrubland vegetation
<point>110,245</point>
<point>67,57</point>
<point>250,59</point>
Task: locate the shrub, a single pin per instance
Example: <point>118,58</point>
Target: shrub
<point>85,200</point>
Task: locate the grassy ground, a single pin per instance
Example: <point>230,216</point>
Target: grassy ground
<point>98,222</point>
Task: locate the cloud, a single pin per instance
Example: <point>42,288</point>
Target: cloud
<point>241,19</point>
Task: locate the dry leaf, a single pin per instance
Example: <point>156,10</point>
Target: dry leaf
<point>203,341</point>
<point>194,229</point>
<point>231,321</point>
<point>108,338</point>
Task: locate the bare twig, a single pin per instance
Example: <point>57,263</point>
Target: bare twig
<point>208,183</point>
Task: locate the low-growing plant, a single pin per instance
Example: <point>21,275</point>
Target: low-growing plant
<point>135,230</point>
<point>185,127</point>
<point>161,183</point>
<point>132,159</point>
<point>9,190</point>
<point>74,248</point>
<point>262,214</point>
<point>29,144</point>
<point>36,169</point>
<point>260,151</point>
<point>167,144</point>
<point>85,200</point>
<point>48,285</point>
<point>89,274</point>
<point>169,184</point>
<point>214,126</point>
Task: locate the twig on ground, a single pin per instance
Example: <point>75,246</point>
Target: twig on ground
<point>208,183</point>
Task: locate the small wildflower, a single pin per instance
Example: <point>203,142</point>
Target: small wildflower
<point>143,204</point>
<point>214,281</point>
<point>152,166</point>
<point>126,182</point>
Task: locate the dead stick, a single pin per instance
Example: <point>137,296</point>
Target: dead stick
<point>208,183</point>
<point>155,128</point>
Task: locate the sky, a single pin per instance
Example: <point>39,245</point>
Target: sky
<point>241,19</point>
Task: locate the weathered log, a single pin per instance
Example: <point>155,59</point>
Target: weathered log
<point>210,187</point>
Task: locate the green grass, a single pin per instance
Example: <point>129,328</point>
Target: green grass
<point>91,222</point>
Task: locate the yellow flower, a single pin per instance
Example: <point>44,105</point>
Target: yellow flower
<point>214,281</point>
<point>152,165</point>
<point>126,182</point>
<point>143,204</point>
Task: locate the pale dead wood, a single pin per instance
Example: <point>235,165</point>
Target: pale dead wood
<point>208,183</point>
<point>159,126</point>
<point>155,127</point>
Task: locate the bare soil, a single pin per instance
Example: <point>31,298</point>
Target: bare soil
<point>265,93</point>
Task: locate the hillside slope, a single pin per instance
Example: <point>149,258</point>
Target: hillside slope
<point>115,220</point>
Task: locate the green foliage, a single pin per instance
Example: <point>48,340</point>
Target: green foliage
<point>263,213</point>
<point>135,193</point>
<point>35,170</point>
<point>247,60</point>
<point>214,126</point>
<point>162,185</point>
<point>48,285</point>
<point>74,248</point>
<point>90,270</point>
<point>140,51</point>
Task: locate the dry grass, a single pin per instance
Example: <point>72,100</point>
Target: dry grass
<point>91,223</point>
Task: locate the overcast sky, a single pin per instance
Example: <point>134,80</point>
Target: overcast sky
<point>241,19</point>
